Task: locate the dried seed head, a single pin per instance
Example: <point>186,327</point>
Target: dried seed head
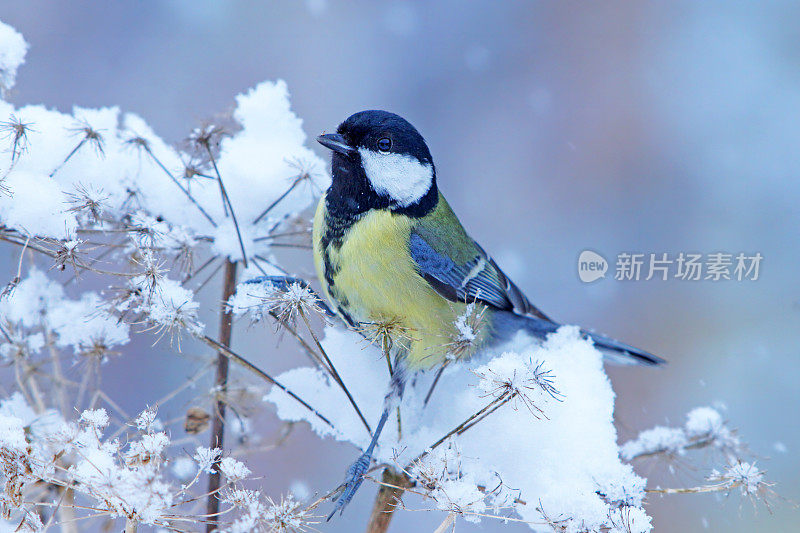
<point>17,131</point>
<point>97,349</point>
<point>241,498</point>
<point>527,384</point>
<point>287,515</point>
<point>67,253</point>
<point>386,333</point>
<point>744,476</point>
<point>290,304</point>
<point>146,419</point>
<point>138,143</point>
<point>172,317</point>
<point>468,331</point>
<point>88,202</point>
<point>19,345</point>
<point>206,136</point>
<point>90,135</point>
<point>152,273</point>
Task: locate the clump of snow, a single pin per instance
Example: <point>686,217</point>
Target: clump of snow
<point>85,325</point>
<point>12,434</point>
<point>465,330</point>
<point>552,444</point>
<point>12,54</point>
<point>95,418</point>
<point>704,426</point>
<point>112,160</point>
<point>146,419</point>
<point>173,308</point>
<point>184,468</point>
<point>703,420</point>
<point>232,469</point>
<point>132,488</point>
<point>149,448</point>
<point>656,440</point>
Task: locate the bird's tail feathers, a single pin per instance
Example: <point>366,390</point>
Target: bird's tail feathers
<point>506,325</point>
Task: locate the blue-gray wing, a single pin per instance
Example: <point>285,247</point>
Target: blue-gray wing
<point>477,279</point>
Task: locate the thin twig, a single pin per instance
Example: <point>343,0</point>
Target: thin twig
<point>202,267</point>
<point>433,385</point>
<point>334,372</point>
<point>269,208</point>
<point>191,198</point>
<point>250,366</point>
<point>493,406</point>
<point>227,199</point>
<point>69,156</point>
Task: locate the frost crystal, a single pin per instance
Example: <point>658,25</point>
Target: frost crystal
<point>745,476</point>
<point>233,469</point>
<point>206,457</point>
<point>146,419</point>
<point>97,418</point>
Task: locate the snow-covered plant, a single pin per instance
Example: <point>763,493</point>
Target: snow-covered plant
<point>95,198</point>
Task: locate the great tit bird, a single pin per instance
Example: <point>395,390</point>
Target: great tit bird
<point>388,249</point>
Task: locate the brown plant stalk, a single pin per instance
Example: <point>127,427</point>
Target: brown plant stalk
<point>221,384</point>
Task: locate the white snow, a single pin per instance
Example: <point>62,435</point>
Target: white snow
<point>184,468</point>
<point>703,424</point>
<point>657,439</point>
<point>233,470</point>
<point>12,433</point>
<point>82,324</point>
<point>12,54</point>
<point>258,164</point>
<point>703,420</point>
<point>562,456</point>
<point>95,418</point>
<point>466,332</point>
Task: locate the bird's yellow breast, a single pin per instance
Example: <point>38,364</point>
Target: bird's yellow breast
<point>375,280</point>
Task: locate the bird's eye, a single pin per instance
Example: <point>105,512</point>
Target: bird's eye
<point>384,144</point>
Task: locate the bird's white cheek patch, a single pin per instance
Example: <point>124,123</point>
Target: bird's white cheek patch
<point>401,177</point>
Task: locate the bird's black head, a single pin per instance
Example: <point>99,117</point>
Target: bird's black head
<point>380,161</point>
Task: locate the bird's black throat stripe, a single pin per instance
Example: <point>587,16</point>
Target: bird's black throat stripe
<point>336,227</point>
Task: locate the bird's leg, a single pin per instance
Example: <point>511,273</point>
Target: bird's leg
<point>387,353</point>
<point>282,283</point>
<point>356,472</point>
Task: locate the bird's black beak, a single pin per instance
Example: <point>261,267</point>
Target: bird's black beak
<point>336,142</point>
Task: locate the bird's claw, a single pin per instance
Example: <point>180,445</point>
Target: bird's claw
<point>355,476</point>
<point>281,283</point>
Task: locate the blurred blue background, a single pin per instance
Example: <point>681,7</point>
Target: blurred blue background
<point>555,127</point>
